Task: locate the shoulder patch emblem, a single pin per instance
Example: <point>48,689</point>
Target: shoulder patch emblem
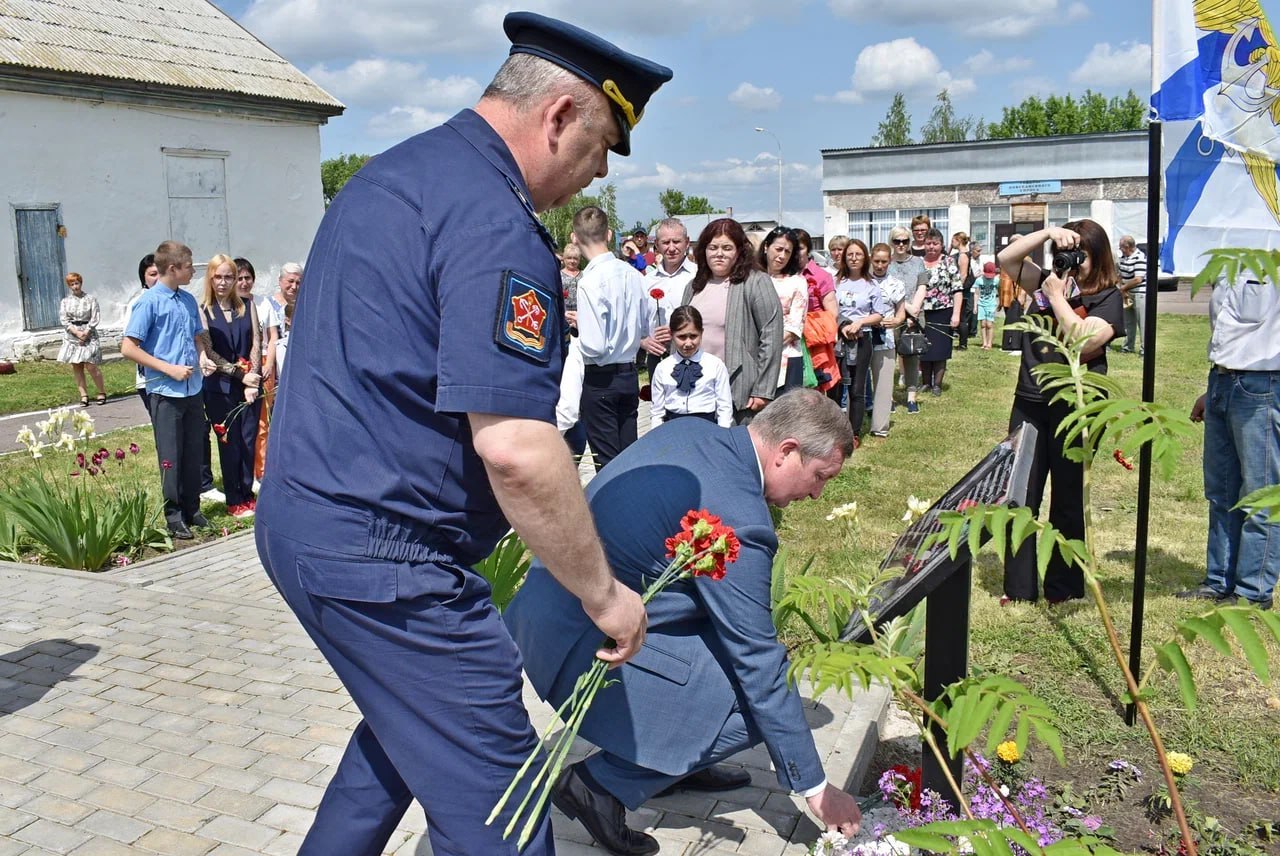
<point>524,316</point>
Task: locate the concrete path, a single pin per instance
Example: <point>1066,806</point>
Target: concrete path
<point>122,412</point>
<point>176,707</point>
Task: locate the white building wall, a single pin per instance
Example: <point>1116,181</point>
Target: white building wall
<point>104,164</point>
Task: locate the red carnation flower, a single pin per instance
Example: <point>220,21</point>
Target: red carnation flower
<point>912,776</point>
<point>219,428</point>
<point>704,536</point>
<point>657,293</point>
<point>166,465</point>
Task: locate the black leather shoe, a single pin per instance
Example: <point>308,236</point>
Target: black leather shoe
<point>199,521</point>
<point>1204,592</point>
<point>713,778</point>
<point>602,815</point>
<point>180,531</point>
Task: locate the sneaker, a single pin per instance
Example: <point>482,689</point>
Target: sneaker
<point>879,433</point>
<point>935,391</point>
<point>241,511</point>
<point>213,495</point>
<point>1205,592</point>
<point>913,407</point>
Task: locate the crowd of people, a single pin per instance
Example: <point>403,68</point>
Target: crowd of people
<point>206,364</point>
<point>769,314</point>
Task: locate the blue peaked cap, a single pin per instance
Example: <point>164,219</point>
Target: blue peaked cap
<point>627,80</point>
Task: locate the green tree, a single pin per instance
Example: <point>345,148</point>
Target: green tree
<point>335,172</point>
<point>943,125</point>
<point>674,203</point>
<point>1091,113</point>
<point>895,128</point>
<point>559,221</point>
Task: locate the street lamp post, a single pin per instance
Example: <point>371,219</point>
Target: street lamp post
<point>779,144</point>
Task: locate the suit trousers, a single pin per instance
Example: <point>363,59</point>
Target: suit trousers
<point>235,447</point>
<point>883,362</point>
<point>437,679</point>
<point>610,403</point>
<point>633,785</point>
<point>1066,506</point>
<point>177,423</point>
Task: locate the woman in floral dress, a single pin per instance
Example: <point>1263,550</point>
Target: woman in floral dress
<point>943,285</point>
<point>79,316</point>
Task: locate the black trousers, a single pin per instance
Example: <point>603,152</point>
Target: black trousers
<point>235,447</point>
<point>1066,506</point>
<point>856,369</point>
<point>963,332</point>
<point>178,424</point>
<point>610,402</point>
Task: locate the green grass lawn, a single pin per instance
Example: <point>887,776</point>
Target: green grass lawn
<point>1060,653</point>
<point>43,384</point>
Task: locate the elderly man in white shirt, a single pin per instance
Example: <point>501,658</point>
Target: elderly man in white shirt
<point>672,271</point>
<point>613,316</point>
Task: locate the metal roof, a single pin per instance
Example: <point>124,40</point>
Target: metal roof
<point>188,44</point>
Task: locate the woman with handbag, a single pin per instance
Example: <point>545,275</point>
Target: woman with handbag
<point>943,287</point>
<point>884,348</point>
<point>862,308</point>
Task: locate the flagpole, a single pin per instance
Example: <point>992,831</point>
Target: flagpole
<point>1150,297</point>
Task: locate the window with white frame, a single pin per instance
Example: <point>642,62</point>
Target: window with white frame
<point>874,226</point>
<point>982,222</point>
<point>1066,212</point>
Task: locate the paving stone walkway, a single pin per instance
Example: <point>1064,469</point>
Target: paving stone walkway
<point>176,707</point>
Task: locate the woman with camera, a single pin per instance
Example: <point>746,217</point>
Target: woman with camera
<point>1080,295</point>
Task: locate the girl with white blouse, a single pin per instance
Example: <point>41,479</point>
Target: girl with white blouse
<point>690,382</point>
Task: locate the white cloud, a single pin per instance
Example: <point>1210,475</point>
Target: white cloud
<point>1130,63</point>
<point>900,65</point>
<point>401,122</point>
<point>750,97</point>
<point>313,31</point>
<point>985,62</point>
<point>374,83</point>
<point>977,18</point>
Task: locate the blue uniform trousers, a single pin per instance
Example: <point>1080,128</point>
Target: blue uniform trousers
<point>438,681</point>
<point>610,403</point>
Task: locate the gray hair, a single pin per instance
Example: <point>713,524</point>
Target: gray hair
<point>671,223</point>
<point>526,79</point>
<point>807,416</point>
<point>291,267</point>
<point>1128,241</point>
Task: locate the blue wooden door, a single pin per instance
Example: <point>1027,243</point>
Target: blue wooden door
<point>41,264</point>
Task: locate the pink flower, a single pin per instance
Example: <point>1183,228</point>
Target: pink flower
<point>133,449</point>
<point>93,471</point>
<point>166,465</point>
<point>119,454</point>
<point>80,460</point>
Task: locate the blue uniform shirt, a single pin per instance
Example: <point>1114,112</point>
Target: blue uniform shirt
<point>432,291</point>
<point>165,322</point>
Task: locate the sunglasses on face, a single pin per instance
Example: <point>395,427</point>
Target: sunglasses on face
<point>901,240</point>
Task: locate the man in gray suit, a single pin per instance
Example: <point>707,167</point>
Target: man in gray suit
<point>711,679</point>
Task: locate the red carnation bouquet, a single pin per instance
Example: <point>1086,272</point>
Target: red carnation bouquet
<point>702,548</point>
<point>659,314</point>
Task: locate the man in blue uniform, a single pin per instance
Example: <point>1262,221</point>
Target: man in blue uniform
<point>417,419</point>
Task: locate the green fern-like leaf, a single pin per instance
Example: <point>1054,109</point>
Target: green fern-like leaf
<point>994,703</point>
<point>1264,500</point>
<point>843,665</point>
<point>824,604</point>
<point>1226,266</point>
<point>1250,627</point>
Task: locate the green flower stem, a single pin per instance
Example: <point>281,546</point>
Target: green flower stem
<point>585,687</point>
<point>991,783</point>
<point>528,762</point>
<point>1113,640</point>
<point>571,731</point>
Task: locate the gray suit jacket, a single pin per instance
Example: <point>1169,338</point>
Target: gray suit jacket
<point>711,647</point>
<point>752,337</point>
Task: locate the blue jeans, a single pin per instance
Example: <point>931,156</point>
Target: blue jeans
<point>1241,454</point>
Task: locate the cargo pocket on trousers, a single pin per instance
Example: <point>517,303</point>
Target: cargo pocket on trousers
<point>348,578</point>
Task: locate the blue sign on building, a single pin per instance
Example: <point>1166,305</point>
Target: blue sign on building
<point>1027,188</point>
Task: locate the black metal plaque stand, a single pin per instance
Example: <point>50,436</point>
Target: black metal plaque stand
<point>946,660</point>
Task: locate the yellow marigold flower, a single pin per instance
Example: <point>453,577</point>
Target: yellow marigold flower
<point>1181,763</point>
<point>1008,752</point>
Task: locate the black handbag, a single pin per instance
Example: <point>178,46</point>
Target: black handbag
<point>911,340</point>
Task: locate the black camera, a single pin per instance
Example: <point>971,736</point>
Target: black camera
<point>1065,260</point>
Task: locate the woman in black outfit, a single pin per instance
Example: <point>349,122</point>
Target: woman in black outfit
<point>1097,309</point>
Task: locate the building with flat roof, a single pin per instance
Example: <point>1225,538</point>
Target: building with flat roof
<point>990,189</point>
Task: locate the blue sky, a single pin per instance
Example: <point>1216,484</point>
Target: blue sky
<point>816,74</point>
